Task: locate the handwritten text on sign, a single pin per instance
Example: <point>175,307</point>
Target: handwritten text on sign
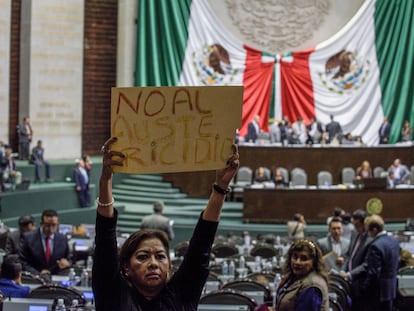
<point>175,129</point>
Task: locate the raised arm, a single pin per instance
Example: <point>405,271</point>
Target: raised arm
<point>105,200</point>
<point>223,177</point>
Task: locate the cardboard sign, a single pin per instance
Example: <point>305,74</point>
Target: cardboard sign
<point>175,129</point>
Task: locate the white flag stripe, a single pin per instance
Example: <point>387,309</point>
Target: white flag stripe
<point>205,29</point>
<point>358,110</point>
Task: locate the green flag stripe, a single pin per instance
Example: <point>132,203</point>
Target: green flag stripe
<point>162,33</point>
<point>394,27</point>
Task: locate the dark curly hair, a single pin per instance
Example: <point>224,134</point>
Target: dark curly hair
<point>314,252</point>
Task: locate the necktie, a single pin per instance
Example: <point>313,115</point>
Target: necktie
<point>47,252</point>
<point>358,241</point>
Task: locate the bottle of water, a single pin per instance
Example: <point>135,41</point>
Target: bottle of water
<point>224,268</point>
<point>232,268</point>
<point>72,277</point>
<point>89,263</point>
<point>84,278</point>
<point>74,306</point>
<point>242,262</point>
<point>60,306</point>
<point>278,277</point>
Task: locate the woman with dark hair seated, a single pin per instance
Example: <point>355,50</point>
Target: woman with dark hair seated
<point>11,278</point>
<point>139,277</point>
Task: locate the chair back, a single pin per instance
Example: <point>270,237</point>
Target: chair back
<point>181,248</point>
<point>324,178</point>
<point>299,178</point>
<point>264,250</point>
<point>348,175</point>
<point>244,175</point>
<point>228,297</point>
<point>30,278</point>
<point>223,250</point>
<point>56,291</point>
<point>378,171</point>
<point>247,285</point>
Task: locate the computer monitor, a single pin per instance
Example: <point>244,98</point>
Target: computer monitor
<point>90,230</point>
<point>217,307</point>
<point>27,304</point>
<point>65,229</point>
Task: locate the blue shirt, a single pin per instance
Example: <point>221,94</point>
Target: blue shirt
<point>11,289</point>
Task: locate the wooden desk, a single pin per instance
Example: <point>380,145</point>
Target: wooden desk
<point>278,206</point>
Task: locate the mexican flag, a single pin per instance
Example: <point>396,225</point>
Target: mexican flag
<point>360,75</point>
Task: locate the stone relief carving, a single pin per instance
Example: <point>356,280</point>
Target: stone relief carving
<point>277,25</point>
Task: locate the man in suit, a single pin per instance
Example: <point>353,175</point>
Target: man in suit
<point>25,138</point>
<point>334,130</point>
<point>384,131</point>
<point>379,287</point>
<point>81,178</point>
<point>335,243</point>
<point>355,265</point>
<point>37,158</point>
<point>253,129</point>
<point>45,251</point>
<point>158,221</point>
<point>26,224</point>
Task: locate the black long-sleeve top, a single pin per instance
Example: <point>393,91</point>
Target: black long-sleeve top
<point>183,290</point>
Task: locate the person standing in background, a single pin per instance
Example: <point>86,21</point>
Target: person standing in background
<point>379,287</point>
<point>158,221</point>
<point>384,132</point>
<point>253,130</point>
<point>334,131</point>
<point>25,138</point>
<point>26,224</point>
<point>37,158</point>
<point>88,164</point>
<point>355,265</point>
<point>406,132</point>
<point>80,176</point>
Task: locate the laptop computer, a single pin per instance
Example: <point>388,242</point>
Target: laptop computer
<point>371,183</point>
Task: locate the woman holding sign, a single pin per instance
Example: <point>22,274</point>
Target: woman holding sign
<point>138,277</point>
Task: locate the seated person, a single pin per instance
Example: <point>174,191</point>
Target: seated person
<point>364,171</point>
<point>11,278</point>
<point>10,174</point>
<point>45,251</point>
<point>260,176</point>
<point>278,179</point>
<point>37,158</point>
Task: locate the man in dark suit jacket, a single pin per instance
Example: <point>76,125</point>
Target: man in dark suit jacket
<point>334,130</point>
<point>355,265</point>
<point>26,224</point>
<point>37,158</point>
<point>253,129</point>
<point>384,131</point>
<point>379,288</point>
<point>81,178</point>
<point>35,254</point>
